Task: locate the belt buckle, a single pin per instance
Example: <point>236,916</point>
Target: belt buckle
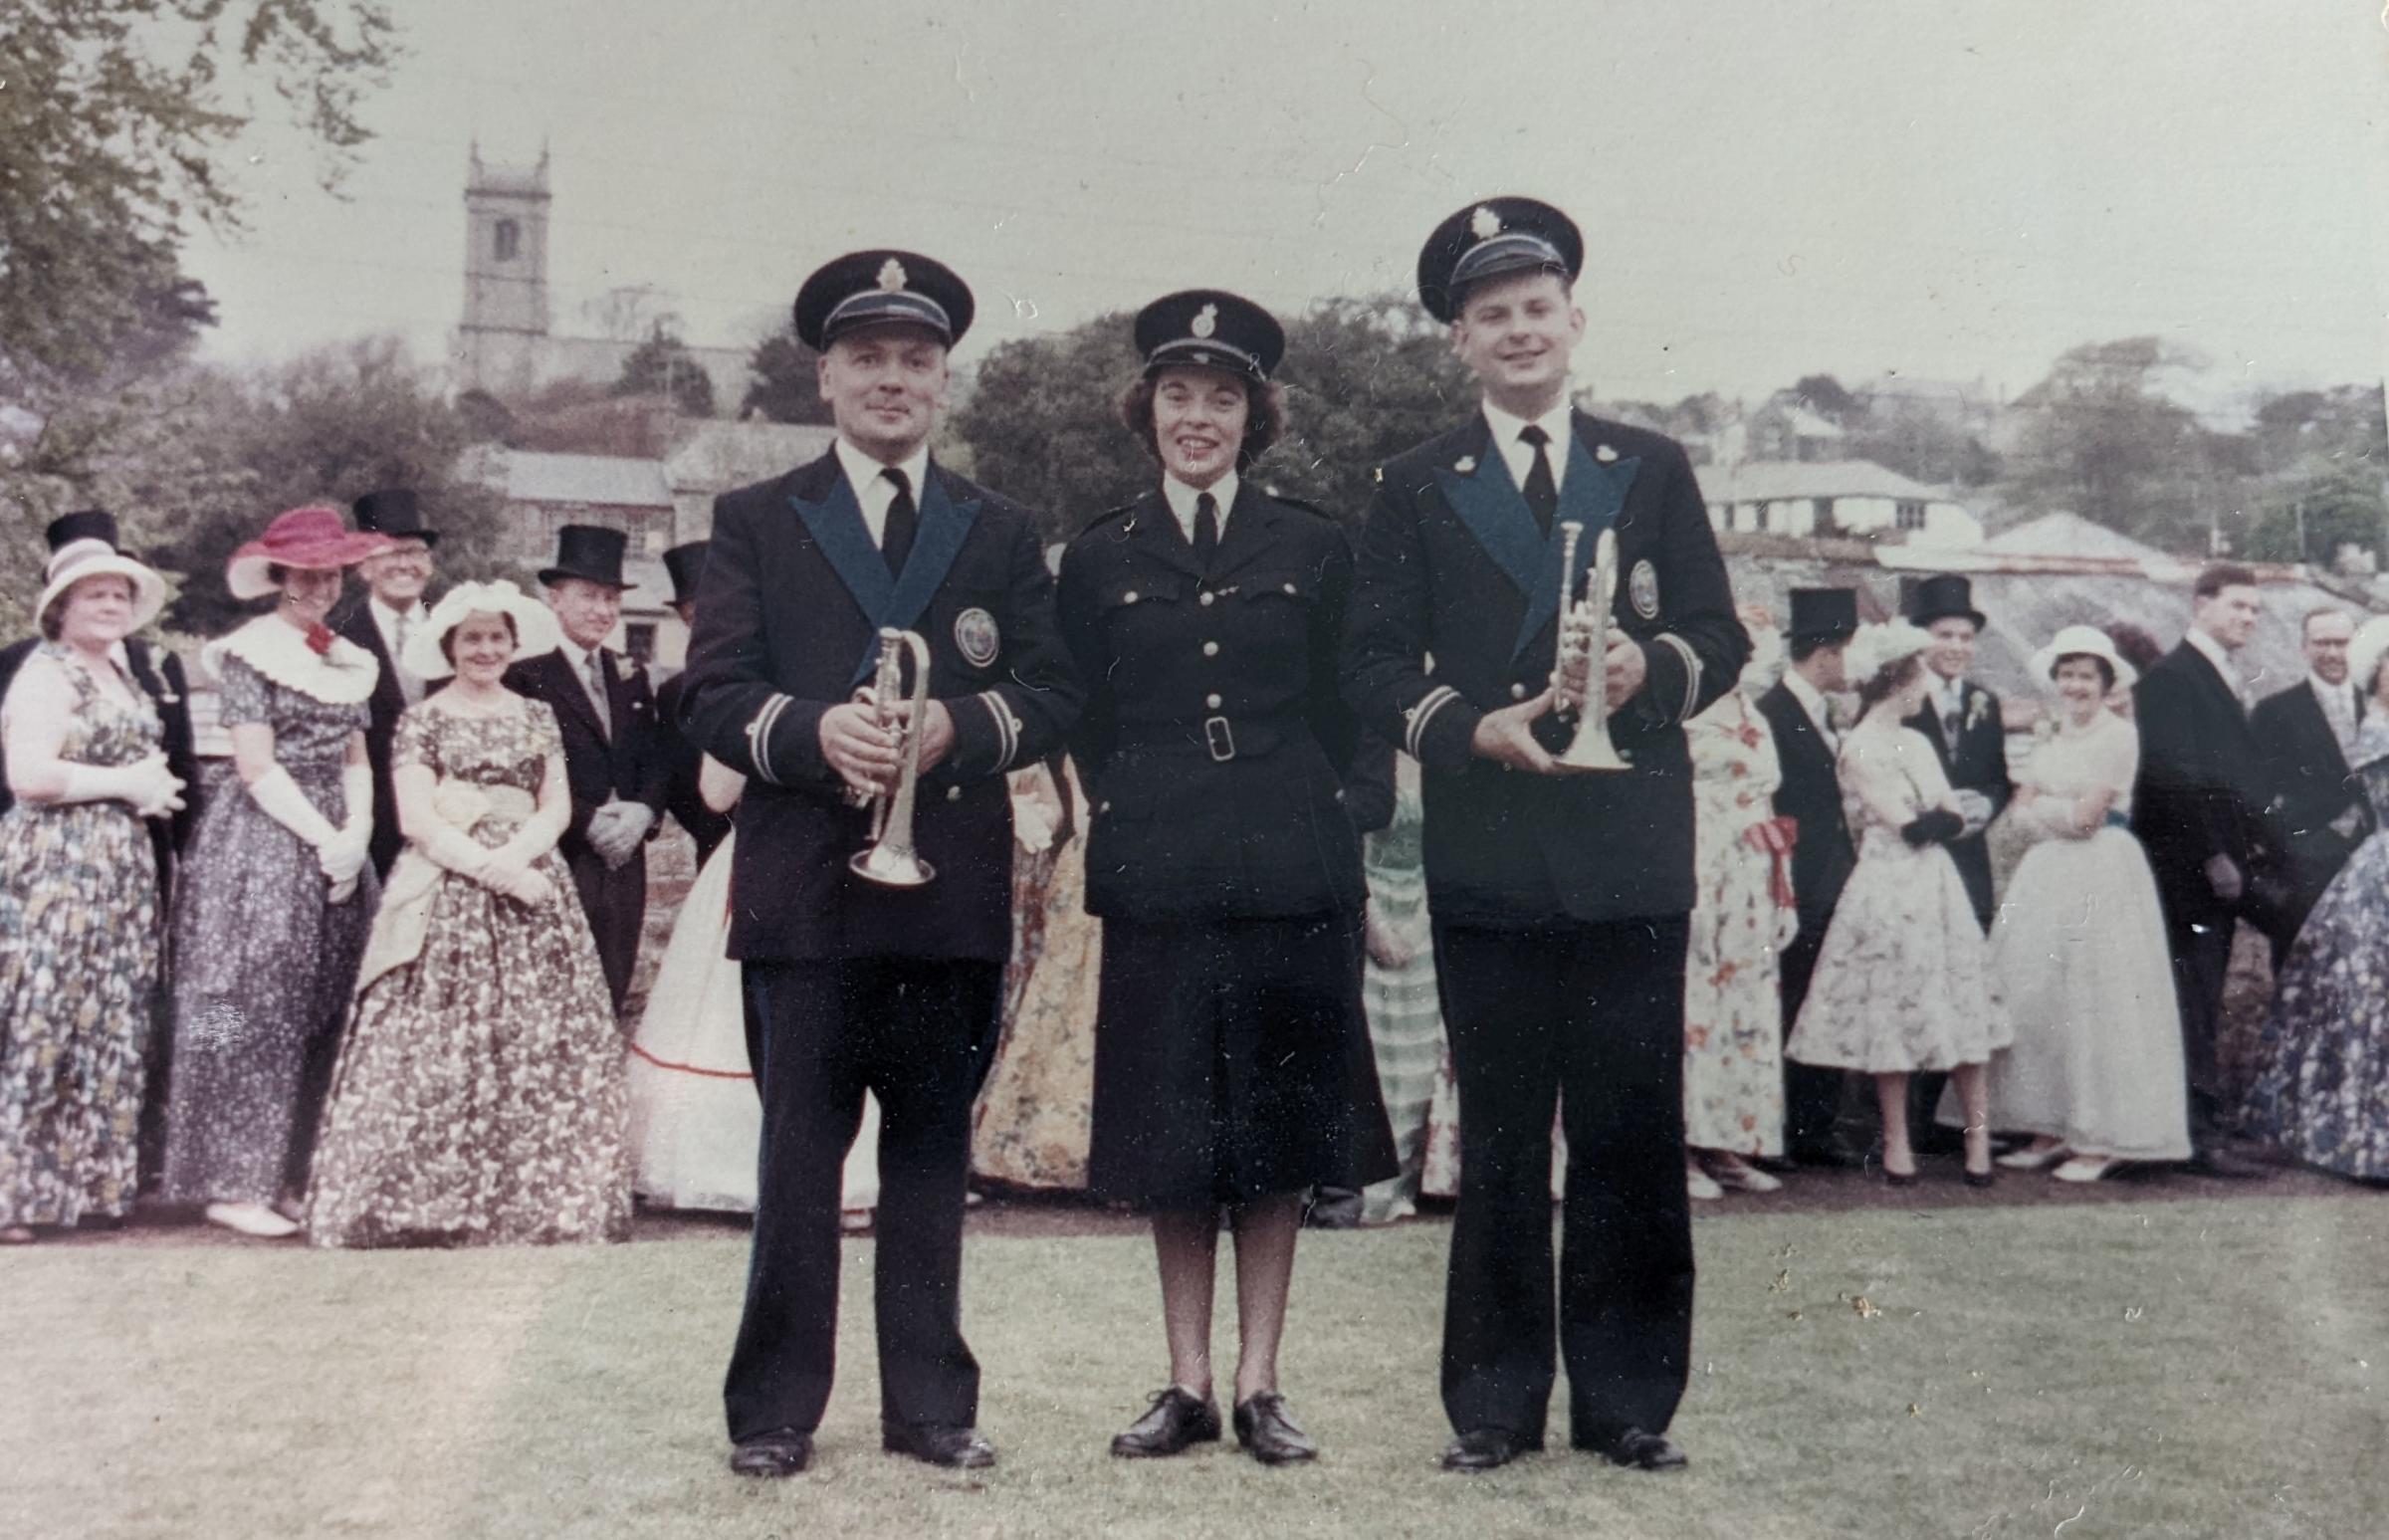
<point>1220,737</point>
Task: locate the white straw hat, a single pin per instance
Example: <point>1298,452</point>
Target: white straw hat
<point>1876,647</point>
<point>2364,653</point>
<point>536,630</point>
<point>78,559</point>
<point>2084,641</point>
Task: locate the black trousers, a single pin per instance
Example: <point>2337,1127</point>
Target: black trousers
<point>1812,1095</point>
<point>917,1034</point>
<point>1593,1016</point>
<point>616,901</point>
<point>2202,960</point>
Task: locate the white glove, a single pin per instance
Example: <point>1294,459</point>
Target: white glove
<point>446,845</point>
<point>279,798</point>
<point>1975,809</point>
<point>146,784</point>
<point>512,877</point>
<point>345,856</point>
<point>623,833</point>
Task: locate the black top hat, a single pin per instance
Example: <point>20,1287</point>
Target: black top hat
<point>685,563</point>
<point>393,511</point>
<point>1823,614</point>
<point>1492,239</point>
<point>85,524</point>
<point>1209,328</point>
<point>877,288</point>
<point>588,553</point>
<point>1942,595</point>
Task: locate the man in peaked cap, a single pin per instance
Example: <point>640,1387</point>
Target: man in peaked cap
<point>1561,900</point>
<point>606,711</point>
<point>381,622</point>
<point>682,799</point>
<point>1808,744</point>
<point>852,986</point>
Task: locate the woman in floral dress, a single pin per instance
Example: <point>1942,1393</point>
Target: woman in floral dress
<point>480,1097</point>
<point>2322,1089</point>
<point>1742,917</point>
<point>272,897</point>
<point>79,931</point>
<point>1904,981</point>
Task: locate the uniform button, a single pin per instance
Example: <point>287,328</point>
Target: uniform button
<point>1517,692</point>
<point>1211,702</point>
<point>1130,597</point>
<point>1210,649</point>
<point>953,793</point>
<point>1289,588</point>
<point>1105,807</point>
<point>1207,596</point>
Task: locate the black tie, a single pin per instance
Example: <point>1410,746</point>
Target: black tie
<point>1542,493</point>
<point>1206,529</point>
<point>904,521</point>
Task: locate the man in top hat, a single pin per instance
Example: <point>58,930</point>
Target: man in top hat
<point>1962,721</point>
<point>852,986</point>
<point>1808,744</point>
<point>1560,900</point>
<point>2306,733</point>
<point>2200,807</point>
<point>611,756</point>
<point>382,623</point>
<point>681,756</point>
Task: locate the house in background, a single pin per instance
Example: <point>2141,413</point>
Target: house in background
<point>1826,497</point>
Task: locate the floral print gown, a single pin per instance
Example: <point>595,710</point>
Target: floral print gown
<point>480,1095</point>
<point>2322,1081</point>
<point>1904,982</point>
<point>79,954</point>
<point>1741,919</point>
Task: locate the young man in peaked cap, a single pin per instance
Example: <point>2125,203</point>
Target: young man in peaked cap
<point>1560,899</point>
<point>853,985</point>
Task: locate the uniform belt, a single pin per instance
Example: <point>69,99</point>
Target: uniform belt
<point>1218,737</point>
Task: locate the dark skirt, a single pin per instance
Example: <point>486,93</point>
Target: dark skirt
<point>1232,1062</point>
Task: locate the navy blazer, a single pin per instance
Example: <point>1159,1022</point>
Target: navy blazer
<point>1810,794</point>
<point>682,760</point>
<point>786,627</point>
<point>2318,805</point>
<point>2203,789</point>
<point>625,763</point>
<point>1215,745</point>
<point>387,703</point>
<point>1451,565</point>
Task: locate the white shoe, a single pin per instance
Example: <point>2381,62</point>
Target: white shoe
<point>1699,1187</point>
<point>1742,1177</point>
<point>2027,1158</point>
<point>2085,1168</point>
<point>252,1219</point>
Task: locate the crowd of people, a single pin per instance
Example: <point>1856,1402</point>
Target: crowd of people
<point>1240,877</point>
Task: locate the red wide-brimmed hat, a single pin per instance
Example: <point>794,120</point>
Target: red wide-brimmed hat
<point>311,537</point>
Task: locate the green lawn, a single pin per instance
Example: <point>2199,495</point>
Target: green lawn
<point>2191,1368</point>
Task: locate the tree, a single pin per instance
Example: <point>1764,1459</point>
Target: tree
<point>1826,396</point>
<point>663,366</point>
<point>2099,437</point>
<point>112,118</point>
<point>1916,441</point>
<point>1038,424</point>
<point>785,380</point>
<point>2310,519</point>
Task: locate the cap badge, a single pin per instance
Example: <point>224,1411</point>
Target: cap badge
<point>1201,356</point>
<point>891,276</point>
<point>1484,224</point>
<point>1207,321</point>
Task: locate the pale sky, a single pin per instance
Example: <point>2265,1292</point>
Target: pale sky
<point>1953,192</point>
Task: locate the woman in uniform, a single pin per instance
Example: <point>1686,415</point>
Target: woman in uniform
<point>1232,1066</point>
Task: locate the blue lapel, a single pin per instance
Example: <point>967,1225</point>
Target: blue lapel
<point>836,526</point>
<point>1494,510</point>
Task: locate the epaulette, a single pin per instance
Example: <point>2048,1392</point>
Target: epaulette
<point>1304,504</point>
<point>1106,517</point>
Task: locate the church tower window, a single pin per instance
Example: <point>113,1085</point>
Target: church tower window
<point>508,240</point>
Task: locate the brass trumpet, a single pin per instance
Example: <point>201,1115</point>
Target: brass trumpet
<point>1584,637</point>
<point>889,859</point>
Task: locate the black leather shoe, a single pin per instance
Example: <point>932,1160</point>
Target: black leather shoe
<point>2215,1161</point>
<point>1639,1450</point>
<point>1830,1156</point>
<point>939,1444</point>
<point>1486,1449</point>
<point>780,1453</point>
<point>1269,1434</point>
<point>1174,1421</point>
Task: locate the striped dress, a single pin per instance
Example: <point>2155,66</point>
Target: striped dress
<point>1405,1024</point>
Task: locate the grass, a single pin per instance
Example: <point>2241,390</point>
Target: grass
<point>2198,1368</point>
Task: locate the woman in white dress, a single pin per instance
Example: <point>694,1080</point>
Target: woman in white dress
<point>695,1122</point>
<point>1904,982</point>
<point>2095,1070</point>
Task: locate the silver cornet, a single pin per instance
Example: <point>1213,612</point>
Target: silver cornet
<point>1585,640</point>
<point>889,859</point>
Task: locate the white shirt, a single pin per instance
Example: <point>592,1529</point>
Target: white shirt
<point>2338,702</point>
<point>874,491</point>
<point>1520,455</point>
<point>578,656</point>
<point>1814,703</point>
<point>385,621</point>
<point>2222,659</point>
<point>1182,498</point>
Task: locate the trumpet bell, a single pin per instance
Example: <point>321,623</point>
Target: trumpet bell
<point>1591,749</point>
<point>891,868</point>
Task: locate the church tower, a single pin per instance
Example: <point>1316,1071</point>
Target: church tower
<point>502,339</point>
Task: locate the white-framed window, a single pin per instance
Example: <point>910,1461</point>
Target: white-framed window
<point>1908,514</point>
<point>1762,515</point>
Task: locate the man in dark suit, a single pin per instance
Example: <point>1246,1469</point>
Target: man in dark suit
<point>2199,809</point>
<point>1962,721</point>
<point>607,714</point>
<point>2306,733</point>
<point>381,622</point>
<point>1807,744</point>
<point>853,985</point>
<point>1560,899</point>
<point>681,756</point>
